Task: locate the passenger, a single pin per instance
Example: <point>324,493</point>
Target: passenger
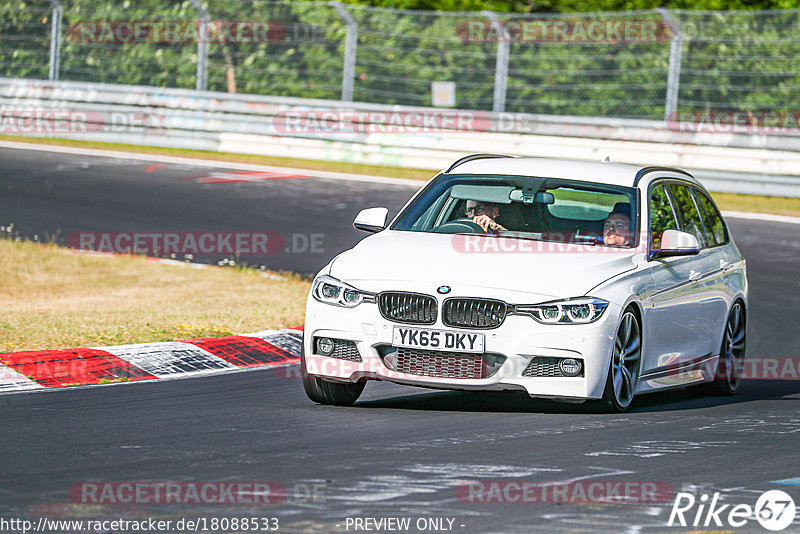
<point>484,214</point>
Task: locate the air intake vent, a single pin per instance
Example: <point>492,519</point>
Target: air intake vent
<point>474,313</point>
<point>345,350</point>
<point>542,366</point>
<point>437,364</point>
<point>411,308</point>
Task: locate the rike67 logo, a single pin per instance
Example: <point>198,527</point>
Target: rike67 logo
<point>774,510</point>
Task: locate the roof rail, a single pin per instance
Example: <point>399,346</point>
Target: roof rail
<point>474,157</point>
<point>646,170</point>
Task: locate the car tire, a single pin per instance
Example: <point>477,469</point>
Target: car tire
<point>623,370</point>
<point>731,355</point>
<point>328,392</point>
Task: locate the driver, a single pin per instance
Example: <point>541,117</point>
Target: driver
<point>617,228</point>
<point>484,214</point>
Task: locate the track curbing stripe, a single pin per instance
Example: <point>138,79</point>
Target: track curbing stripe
<point>12,380</point>
<point>70,368</point>
<point>246,351</point>
<point>169,358</point>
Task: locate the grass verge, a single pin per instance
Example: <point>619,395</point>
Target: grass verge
<point>726,201</point>
<point>53,298</point>
<point>758,204</point>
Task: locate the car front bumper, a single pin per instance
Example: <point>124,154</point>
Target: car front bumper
<point>519,339</point>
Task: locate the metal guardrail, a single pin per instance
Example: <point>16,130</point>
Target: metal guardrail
<point>698,60</point>
<point>182,118</point>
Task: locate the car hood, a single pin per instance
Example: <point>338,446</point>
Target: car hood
<point>547,269</point>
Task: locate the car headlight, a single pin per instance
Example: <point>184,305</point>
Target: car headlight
<point>571,311</point>
<point>329,290</point>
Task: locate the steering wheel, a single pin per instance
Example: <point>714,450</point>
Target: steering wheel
<point>458,226</point>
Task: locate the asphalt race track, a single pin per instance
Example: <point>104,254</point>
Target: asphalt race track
<point>57,195</point>
<point>399,452</point>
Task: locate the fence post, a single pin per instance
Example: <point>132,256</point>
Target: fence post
<point>350,45</point>
<point>501,65</point>
<point>675,58</point>
<point>55,40</point>
<point>201,78</point>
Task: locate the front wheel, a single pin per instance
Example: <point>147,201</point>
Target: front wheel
<point>623,373</point>
<point>329,392</point>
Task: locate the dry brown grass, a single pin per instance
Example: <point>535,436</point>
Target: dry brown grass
<point>52,297</point>
<point>758,204</point>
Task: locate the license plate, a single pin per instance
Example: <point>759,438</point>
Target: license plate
<point>424,338</point>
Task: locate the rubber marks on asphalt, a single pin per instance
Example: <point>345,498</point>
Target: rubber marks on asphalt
<point>221,177</point>
<point>21,371</point>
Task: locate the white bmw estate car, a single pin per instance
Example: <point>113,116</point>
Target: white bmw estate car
<point>563,279</point>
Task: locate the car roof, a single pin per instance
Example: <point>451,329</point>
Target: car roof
<point>591,171</point>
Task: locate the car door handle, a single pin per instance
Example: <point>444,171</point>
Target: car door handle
<point>725,265</point>
<point>694,276</point>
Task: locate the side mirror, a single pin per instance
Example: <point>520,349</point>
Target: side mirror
<point>371,219</point>
<point>676,243</point>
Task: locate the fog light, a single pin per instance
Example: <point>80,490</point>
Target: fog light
<point>325,346</point>
<point>491,364</point>
<point>570,366</point>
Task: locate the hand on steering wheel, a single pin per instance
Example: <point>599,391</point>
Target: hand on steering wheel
<point>487,224</point>
<point>458,226</point>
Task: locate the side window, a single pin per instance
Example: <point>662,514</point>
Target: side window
<point>715,228</point>
<point>661,215</point>
<point>688,217</point>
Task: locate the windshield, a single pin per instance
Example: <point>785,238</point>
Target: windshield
<point>525,207</point>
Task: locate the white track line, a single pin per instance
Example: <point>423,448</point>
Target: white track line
<point>761,217</point>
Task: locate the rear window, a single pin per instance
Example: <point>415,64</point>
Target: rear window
<point>580,204</point>
<point>716,233</point>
